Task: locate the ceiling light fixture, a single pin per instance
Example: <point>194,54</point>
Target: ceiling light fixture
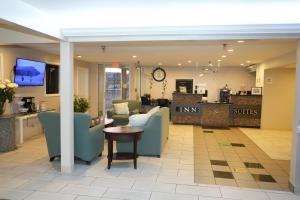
<point>79,56</point>
<point>189,61</point>
<point>242,64</point>
<point>179,64</point>
<point>240,41</point>
<point>134,56</point>
<point>230,50</point>
<point>248,61</point>
<point>219,60</point>
<point>159,63</point>
<point>223,56</point>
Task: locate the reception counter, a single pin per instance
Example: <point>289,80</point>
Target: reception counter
<point>242,110</point>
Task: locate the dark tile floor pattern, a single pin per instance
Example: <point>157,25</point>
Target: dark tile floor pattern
<point>229,157</point>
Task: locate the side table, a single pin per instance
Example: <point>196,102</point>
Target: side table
<point>123,134</point>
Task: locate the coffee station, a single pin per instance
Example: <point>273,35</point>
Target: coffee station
<point>26,118</point>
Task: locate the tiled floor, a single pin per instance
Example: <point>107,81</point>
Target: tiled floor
<point>277,144</point>
<point>229,157</point>
<point>27,174</point>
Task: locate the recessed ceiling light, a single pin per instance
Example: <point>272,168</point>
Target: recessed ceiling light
<point>159,63</point>
<point>230,50</point>
<point>189,61</point>
<point>248,61</point>
<point>79,56</point>
<point>224,56</point>
<point>240,41</point>
<point>250,67</point>
<point>134,56</point>
<point>200,75</point>
<point>242,64</point>
<point>219,60</point>
<point>206,69</point>
<point>179,64</point>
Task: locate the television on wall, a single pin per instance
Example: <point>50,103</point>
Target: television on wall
<point>29,72</point>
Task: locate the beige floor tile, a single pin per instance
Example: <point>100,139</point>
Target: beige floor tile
<point>269,186</point>
<point>236,164</point>
<point>221,168</point>
<point>226,182</point>
<point>277,172</point>
<point>243,176</point>
<point>239,169</point>
<point>205,173</point>
<point>205,180</point>
<point>247,184</point>
<point>257,171</point>
<point>281,179</point>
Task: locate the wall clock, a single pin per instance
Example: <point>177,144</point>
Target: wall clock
<point>159,74</point>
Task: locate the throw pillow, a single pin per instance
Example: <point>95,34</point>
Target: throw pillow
<point>153,110</point>
<point>121,108</point>
<point>138,119</point>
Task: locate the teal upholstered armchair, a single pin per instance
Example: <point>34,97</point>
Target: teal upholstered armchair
<point>154,137</point>
<point>88,142</point>
<point>121,120</point>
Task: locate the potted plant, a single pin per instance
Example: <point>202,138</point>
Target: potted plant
<point>81,104</point>
<point>7,92</point>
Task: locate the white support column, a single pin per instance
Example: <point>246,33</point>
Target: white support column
<point>295,160</point>
<point>66,107</point>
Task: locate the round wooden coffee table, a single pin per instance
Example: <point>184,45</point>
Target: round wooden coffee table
<point>123,134</point>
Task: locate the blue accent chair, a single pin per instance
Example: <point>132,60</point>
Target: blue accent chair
<point>154,137</point>
<point>88,142</point>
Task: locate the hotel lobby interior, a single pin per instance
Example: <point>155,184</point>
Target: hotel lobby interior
<point>196,112</point>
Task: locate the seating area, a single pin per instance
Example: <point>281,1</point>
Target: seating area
<point>88,142</point>
<point>149,100</point>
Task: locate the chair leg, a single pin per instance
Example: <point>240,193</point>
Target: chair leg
<point>52,158</point>
<point>100,155</point>
<point>88,162</point>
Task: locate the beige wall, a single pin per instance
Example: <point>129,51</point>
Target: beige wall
<point>10,53</point>
<point>235,77</point>
<point>279,99</point>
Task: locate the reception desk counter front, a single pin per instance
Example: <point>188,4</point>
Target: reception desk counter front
<point>243,110</point>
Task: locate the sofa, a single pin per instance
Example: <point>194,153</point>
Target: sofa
<point>154,137</point>
<point>122,120</point>
<point>88,142</point>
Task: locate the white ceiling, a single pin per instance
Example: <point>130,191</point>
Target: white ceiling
<point>137,13</point>
<point>170,53</point>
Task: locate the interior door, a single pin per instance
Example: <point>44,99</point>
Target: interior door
<point>83,82</point>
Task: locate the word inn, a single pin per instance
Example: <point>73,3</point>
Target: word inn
<point>187,109</point>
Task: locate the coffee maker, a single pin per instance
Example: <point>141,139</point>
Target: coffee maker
<point>29,103</point>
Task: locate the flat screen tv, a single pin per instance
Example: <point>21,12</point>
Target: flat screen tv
<point>29,72</point>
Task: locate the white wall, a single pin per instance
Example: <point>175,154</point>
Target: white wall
<point>235,77</point>
<point>279,99</point>
<point>10,54</point>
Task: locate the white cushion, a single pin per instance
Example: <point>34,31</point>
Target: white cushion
<point>153,110</point>
<point>121,108</point>
<point>138,119</point>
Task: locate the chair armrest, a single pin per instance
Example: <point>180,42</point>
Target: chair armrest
<point>135,111</point>
<point>96,129</point>
<point>110,113</point>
